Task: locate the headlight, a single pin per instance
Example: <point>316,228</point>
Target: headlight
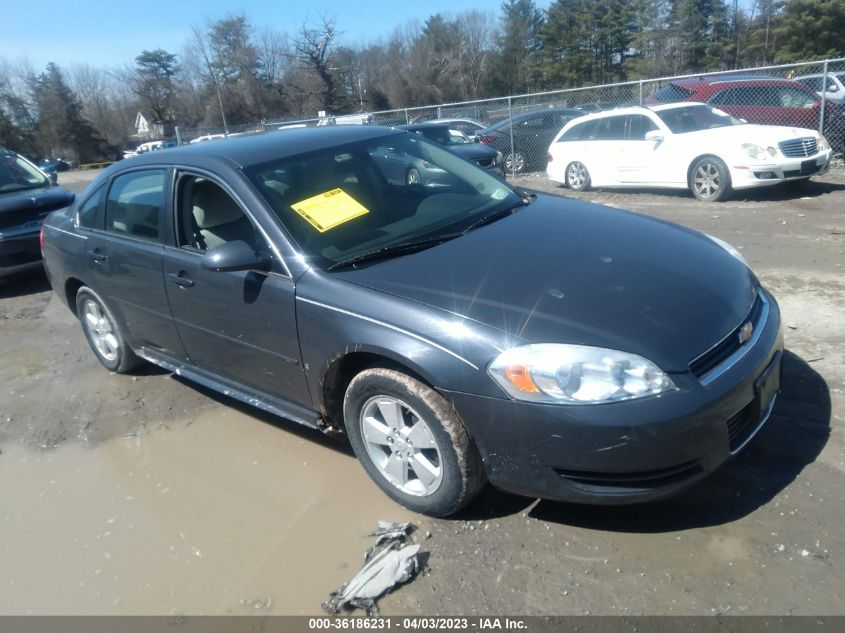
<point>733,252</point>
<point>823,144</point>
<point>431,166</point>
<point>576,374</point>
<point>754,151</point>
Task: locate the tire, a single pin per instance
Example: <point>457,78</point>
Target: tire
<point>577,177</point>
<point>515,162</point>
<point>411,442</point>
<point>413,177</point>
<point>710,179</point>
<point>103,333</point>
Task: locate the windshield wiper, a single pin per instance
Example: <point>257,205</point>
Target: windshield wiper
<point>394,250</point>
<point>527,199</point>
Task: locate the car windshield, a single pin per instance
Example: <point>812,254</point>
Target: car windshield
<point>695,118</point>
<point>17,174</point>
<point>443,135</point>
<point>351,200</point>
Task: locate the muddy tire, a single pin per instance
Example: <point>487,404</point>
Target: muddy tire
<point>411,442</point>
<point>710,179</point>
<point>103,333</point>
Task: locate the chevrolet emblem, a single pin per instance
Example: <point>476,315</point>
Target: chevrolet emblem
<point>745,333</point>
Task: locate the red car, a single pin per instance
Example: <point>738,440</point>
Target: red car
<point>766,101</point>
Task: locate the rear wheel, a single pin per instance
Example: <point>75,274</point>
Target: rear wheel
<point>103,334</point>
<point>577,176</point>
<point>710,179</point>
<point>411,442</point>
<point>515,162</point>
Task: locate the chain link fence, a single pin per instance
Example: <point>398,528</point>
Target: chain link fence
<point>806,95</point>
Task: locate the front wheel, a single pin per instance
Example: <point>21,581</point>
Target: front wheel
<point>577,176</point>
<point>411,442</point>
<point>710,179</point>
<point>103,333</point>
<point>413,177</point>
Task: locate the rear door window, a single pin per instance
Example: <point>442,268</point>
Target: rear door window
<point>86,215</point>
<point>610,128</point>
<point>135,204</point>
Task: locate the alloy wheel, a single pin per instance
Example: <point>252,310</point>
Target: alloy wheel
<point>101,330</point>
<point>401,445</point>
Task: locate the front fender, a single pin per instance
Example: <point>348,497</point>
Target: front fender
<point>336,318</point>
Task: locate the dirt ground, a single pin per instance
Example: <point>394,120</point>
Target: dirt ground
<point>146,494</point>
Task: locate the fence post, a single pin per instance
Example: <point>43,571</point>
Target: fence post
<point>407,120</point>
<point>178,135</point>
<point>641,91</point>
<point>824,99</point>
<point>510,127</point>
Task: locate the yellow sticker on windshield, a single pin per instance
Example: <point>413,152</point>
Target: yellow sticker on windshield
<point>327,210</point>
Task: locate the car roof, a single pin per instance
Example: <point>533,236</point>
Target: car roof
<point>254,149</point>
<point>751,80</point>
<point>454,120</point>
<point>836,73</point>
<point>526,115</point>
<point>427,126</point>
<point>637,109</point>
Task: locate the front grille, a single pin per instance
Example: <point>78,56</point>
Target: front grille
<point>728,345</point>
<point>741,426</point>
<point>485,162</point>
<point>799,147</point>
<point>651,479</point>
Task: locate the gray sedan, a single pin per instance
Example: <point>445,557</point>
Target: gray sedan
<point>458,334</point>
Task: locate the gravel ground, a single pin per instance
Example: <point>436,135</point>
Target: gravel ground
<point>146,494</point>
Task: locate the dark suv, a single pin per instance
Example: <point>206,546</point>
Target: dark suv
<point>765,101</point>
<point>27,195</point>
<point>532,134</point>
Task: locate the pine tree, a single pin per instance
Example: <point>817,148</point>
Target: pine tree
<point>515,63</point>
<point>811,29</point>
<point>61,129</point>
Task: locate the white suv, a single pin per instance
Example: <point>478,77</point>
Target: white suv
<point>835,85</point>
<point>682,145</point>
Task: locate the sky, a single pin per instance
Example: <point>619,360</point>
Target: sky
<point>108,33</point>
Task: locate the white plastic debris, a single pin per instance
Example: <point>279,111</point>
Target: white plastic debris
<point>391,561</point>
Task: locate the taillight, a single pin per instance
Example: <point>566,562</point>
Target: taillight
<point>487,138</point>
<point>41,237</point>
<point>549,159</point>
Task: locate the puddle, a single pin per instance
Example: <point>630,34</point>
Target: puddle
<point>225,515</point>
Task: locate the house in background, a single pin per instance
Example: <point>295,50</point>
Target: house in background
<point>145,128</point>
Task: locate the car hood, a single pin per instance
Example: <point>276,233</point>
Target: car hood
<point>473,151</point>
<point>573,272</point>
<point>36,200</point>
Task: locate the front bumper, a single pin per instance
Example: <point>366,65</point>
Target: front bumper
<point>786,169</point>
<point>19,253</point>
<point>633,451</point>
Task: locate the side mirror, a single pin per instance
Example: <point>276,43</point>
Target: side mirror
<point>54,177</point>
<point>654,135</point>
<point>232,256</point>
<point>833,88</point>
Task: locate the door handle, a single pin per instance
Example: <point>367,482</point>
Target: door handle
<point>180,280</point>
<point>97,256</point>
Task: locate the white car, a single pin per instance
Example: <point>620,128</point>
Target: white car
<point>682,145</point>
<point>835,85</point>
